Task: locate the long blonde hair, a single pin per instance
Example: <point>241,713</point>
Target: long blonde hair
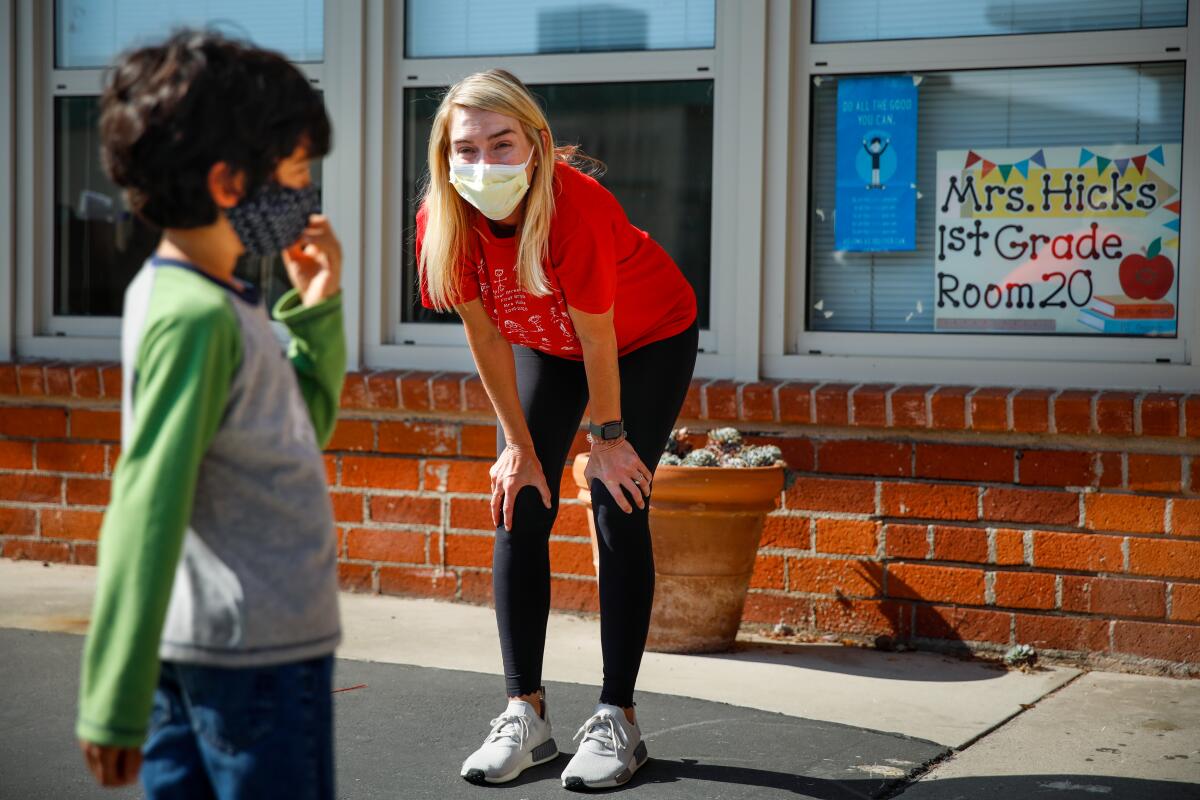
<point>445,245</point>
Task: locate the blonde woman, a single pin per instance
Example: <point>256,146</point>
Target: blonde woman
<point>566,305</point>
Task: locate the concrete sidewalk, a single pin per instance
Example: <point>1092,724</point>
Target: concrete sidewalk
<point>821,721</point>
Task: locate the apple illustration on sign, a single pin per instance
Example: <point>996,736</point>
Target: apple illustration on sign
<point>1147,276</point>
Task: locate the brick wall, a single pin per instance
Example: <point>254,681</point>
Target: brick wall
<point>948,516</point>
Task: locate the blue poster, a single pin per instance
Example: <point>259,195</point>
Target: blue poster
<point>876,164</point>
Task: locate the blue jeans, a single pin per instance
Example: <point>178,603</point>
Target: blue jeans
<point>258,732</point>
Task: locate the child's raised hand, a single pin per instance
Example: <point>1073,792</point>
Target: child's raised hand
<point>314,263</point>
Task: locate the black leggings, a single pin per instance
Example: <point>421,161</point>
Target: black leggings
<point>554,393</point>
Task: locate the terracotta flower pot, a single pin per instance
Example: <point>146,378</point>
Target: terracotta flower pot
<point>705,523</point>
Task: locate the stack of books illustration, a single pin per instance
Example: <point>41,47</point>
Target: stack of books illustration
<point>1114,313</point>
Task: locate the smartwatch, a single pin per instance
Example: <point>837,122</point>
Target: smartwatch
<point>608,431</point>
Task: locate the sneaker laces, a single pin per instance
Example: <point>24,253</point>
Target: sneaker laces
<point>603,729</point>
<point>509,726</point>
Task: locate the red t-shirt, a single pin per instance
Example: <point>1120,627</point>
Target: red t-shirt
<point>598,260</point>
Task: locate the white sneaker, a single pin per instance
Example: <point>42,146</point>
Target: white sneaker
<point>610,752</point>
<point>519,739</point>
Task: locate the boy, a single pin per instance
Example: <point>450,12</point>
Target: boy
<point>220,523</point>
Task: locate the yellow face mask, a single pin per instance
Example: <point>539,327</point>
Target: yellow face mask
<point>494,189</point>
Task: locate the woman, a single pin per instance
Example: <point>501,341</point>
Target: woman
<point>566,305</point>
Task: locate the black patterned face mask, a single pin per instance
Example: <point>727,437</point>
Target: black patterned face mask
<point>272,219</point>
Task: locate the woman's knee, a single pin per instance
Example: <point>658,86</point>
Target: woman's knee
<point>530,515</point>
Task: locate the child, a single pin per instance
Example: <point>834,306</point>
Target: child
<point>216,613</point>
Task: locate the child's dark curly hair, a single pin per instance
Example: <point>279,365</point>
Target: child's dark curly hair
<point>171,111</point>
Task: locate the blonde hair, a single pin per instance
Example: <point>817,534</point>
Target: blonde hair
<point>445,245</point>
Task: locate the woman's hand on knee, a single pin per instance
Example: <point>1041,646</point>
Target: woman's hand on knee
<point>516,468</point>
<point>621,471</point>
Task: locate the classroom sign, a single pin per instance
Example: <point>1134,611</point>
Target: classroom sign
<point>1067,240</point>
<point>876,164</point>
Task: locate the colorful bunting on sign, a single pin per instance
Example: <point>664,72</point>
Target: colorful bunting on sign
<point>1157,154</point>
<point>1140,163</point>
<point>987,167</point>
<point>1102,164</point>
<point>1039,158</point>
<point>1122,164</point>
<point>972,157</point>
<point>1173,225</point>
<point>1085,156</point>
<point>1023,168</point>
<point>1173,206</point>
<point>1006,170</point>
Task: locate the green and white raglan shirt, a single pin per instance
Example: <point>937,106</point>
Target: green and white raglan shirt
<point>218,546</point>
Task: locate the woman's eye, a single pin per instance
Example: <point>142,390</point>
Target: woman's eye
<point>466,151</point>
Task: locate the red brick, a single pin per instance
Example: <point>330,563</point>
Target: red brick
<point>406,510</point>
<point>102,425</point>
<point>758,402</point>
<point>58,379</point>
<point>1158,640</point>
<point>476,587</point>
<point>1010,546</point>
<point>720,400</point>
<point>1112,471</point>
<point>574,595</point>
<point>960,544</point>
<point>1063,633</point>
<point>31,380</point>
<point>1160,414</point>
<point>471,514</point>
<point>795,402</point>
<point>773,608</point>
<point>906,541</point>
<point>1164,559</point>
<point>1114,413</point>
<point>786,531</point>
<point>865,457</point>
<point>948,408</point>
<point>379,473</point>
<point>1194,476</point>
<point>1073,412</point>
<point>36,550</point>
<point>88,491</point>
<point>18,521</point>
<point>832,400</point>
<point>847,536</point>
<point>30,488</point>
<point>1031,505</point>
<point>110,381</point>
<point>692,408</point>
<point>797,452</point>
<point>446,388</point>
<point>353,434</point>
<point>83,553</point>
<point>475,396</point>
<point>965,462</point>
<point>354,392</point>
<point>414,391</point>
<point>1125,513</point>
<point>829,494</point>
<point>382,390</point>
<point>572,520</point>
<point>469,551</point>
<point>85,381</point>
<point>418,438</point>
<point>1025,590</point>
<point>65,523</point>
<point>1114,597</point>
<point>869,403</point>
<point>930,501</point>
<point>465,477</point>
<point>768,572</point>
<point>835,576</point>
<point>578,445</point>
<point>1185,602</point>
<point>418,582</point>
<point>33,422</point>
<point>331,463</point>
<point>572,558</point>
<point>347,507</point>
<point>1056,468</point>
<point>66,457</point>
<point>479,441</point>
<point>8,380</point>
<point>16,455</point>
<point>908,407</point>
<point>863,617</point>
<point>937,583</point>
<point>1031,410</point>
<point>1155,473</point>
<point>1083,552</point>
<point>366,544</point>
<point>356,577</point>
<point>989,409</point>
<point>1185,517</point>
<point>963,624</point>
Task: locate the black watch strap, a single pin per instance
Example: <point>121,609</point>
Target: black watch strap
<point>608,431</point>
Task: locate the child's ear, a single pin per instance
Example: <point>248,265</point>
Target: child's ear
<point>225,185</point>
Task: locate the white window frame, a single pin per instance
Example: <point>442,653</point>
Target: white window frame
<point>40,333</point>
<point>7,194</point>
<point>736,66</point>
<point>790,351</point>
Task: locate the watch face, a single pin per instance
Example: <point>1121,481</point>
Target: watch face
<point>612,430</point>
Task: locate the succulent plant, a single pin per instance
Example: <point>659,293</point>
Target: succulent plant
<point>702,457</point>
<point>725,448</point>
<point>1021,655</point>
<point>727,440</point>
<point>669,460</point>
<point>763,456</point>
<point>734,461</point>
<point>679,443</point>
